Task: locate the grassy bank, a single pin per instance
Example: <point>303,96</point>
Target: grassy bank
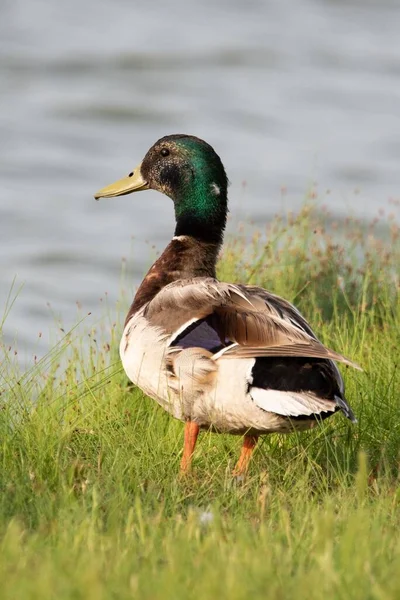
<point>90,502</point>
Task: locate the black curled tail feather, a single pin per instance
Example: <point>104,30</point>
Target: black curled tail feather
<point>343,405</point>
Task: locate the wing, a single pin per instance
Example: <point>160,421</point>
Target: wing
<point>233,321</point>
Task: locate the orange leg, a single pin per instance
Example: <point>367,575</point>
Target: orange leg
<point>191,433</point>
<point>249,443</point>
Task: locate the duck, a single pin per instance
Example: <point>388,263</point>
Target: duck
<point>219,356</point>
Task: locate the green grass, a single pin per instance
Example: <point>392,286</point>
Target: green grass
<point>90,502</point>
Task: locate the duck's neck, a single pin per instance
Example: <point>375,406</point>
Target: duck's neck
<point>201,209</point>
<point>202,222</point>
<point>184,257</point>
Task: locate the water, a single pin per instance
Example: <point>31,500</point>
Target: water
<point>288,92</point>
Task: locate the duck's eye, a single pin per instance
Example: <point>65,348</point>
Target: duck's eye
<point>164,151</point>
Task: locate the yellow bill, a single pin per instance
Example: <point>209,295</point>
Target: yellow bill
<point>133,183</point>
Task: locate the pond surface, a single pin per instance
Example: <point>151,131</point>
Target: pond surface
<point>288,93</point>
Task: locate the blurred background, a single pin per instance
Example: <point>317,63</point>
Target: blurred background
<point>295,95</point>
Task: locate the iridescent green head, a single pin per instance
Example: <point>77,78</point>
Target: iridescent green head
<point>189,171</point>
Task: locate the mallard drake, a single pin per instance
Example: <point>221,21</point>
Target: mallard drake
<point>228,357</point>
